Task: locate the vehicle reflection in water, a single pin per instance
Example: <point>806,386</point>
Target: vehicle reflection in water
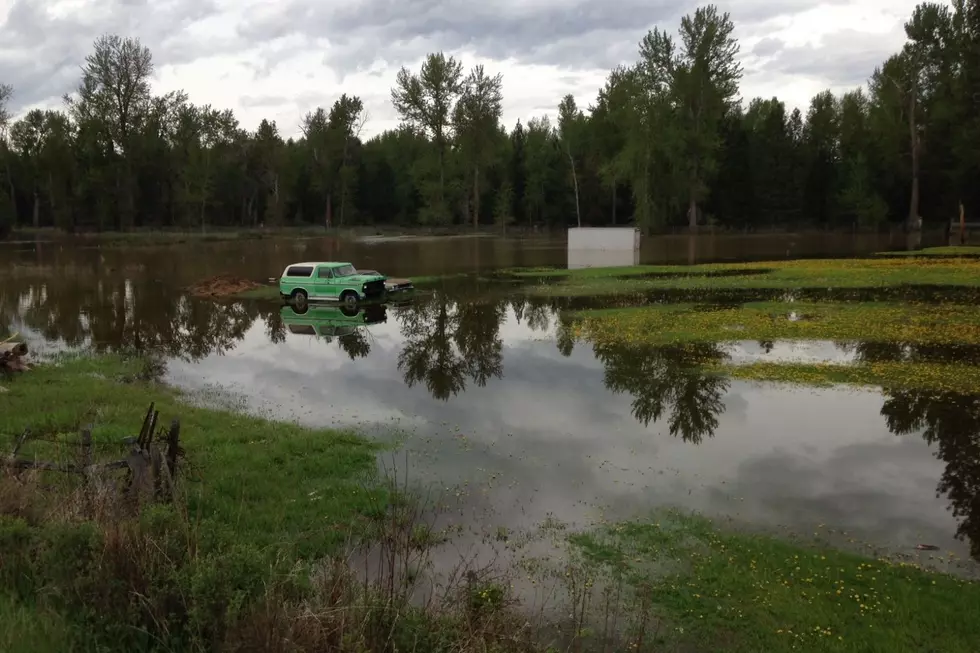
<point>454,343</point>
<point>346,324</point>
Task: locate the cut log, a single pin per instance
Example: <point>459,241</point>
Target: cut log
<point>12,349</point>
<point>11,354</point>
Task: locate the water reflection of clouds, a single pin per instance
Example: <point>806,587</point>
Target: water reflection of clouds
<point>558,442</point>
<point>885,486</point>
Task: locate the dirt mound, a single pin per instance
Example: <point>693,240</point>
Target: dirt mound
<point>222,285</point>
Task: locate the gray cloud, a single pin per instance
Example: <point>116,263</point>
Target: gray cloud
<point>43,53</point>
<point>767,47</point>
<point>571,33</point>
<point>844,58</point>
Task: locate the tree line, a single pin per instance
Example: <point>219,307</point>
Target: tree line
<point>668,142</point>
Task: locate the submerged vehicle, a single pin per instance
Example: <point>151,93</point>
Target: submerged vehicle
<point>331,281</point>
<point>331,321</point>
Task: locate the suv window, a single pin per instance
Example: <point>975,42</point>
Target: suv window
<point>299,271</point>
<point>324,273</point>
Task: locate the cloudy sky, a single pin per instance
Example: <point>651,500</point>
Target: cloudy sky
<point>279,59</point>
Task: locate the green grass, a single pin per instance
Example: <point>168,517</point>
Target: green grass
<point>821,273</point>
<point>721,590</point>
<point>948,251</point>
<point>25,628</point>
<point>259,503</point>
<point>275,485</point>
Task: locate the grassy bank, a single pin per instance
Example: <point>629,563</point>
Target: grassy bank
<point>141,237</point>
<point>150,236</point>
<point>237,462</point>
<point>721,590</point>
<point>260,502</point>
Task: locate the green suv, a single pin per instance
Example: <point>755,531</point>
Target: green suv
<point>329,281</point>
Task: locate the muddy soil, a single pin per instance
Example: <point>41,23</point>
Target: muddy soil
<point>221,286</point>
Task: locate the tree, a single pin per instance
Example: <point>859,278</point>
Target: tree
<point>8,195</point>
<point>426,100</point>
<point>345,122</point>
<point>27,139</point>
<point>570,121</point>
<point>317,144</point>
<point>115,90</point>
<point>476,118</point>
<point>667,138</point>
<point>705,77</point>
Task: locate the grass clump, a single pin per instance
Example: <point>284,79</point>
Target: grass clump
<point>747,592</point>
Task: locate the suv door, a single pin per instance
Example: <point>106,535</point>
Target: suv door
<point>323,285</point>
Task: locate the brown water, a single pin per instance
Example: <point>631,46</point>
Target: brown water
<point>492,391</point>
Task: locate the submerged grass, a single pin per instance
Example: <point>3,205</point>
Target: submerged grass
<point>814,273</point>
<point>721,590</point>
<point>935,377</point>
<point>948,251</point>
<point>676,323</point>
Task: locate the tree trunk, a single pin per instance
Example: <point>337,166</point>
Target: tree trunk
<point>571,161</point>
<point>204,186</point>
<point>343,202</point>
<point>614,203</point>
<point>476,196</point>
<point>343,181</point>
<point>328,212</point>
<point>36,214</point>
<point>10,183</point>
<point>692,212</point>
<point>54,208</point>
<point>914,141</point>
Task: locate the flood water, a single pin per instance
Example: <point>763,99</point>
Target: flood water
<point>493,392</point>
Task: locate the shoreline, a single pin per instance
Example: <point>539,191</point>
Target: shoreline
<point>587,555</point>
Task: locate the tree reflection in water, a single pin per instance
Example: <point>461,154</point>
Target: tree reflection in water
<point>448,341</point>
<point>136,315</point>
<point>949,421</point>
<point>669,379</point>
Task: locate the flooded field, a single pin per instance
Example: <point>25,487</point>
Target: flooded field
<point>499,392</point>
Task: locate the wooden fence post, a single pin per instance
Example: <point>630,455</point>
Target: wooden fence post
<point>86,454</point>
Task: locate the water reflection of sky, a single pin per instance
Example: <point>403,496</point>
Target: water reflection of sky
<point>552,439</point>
